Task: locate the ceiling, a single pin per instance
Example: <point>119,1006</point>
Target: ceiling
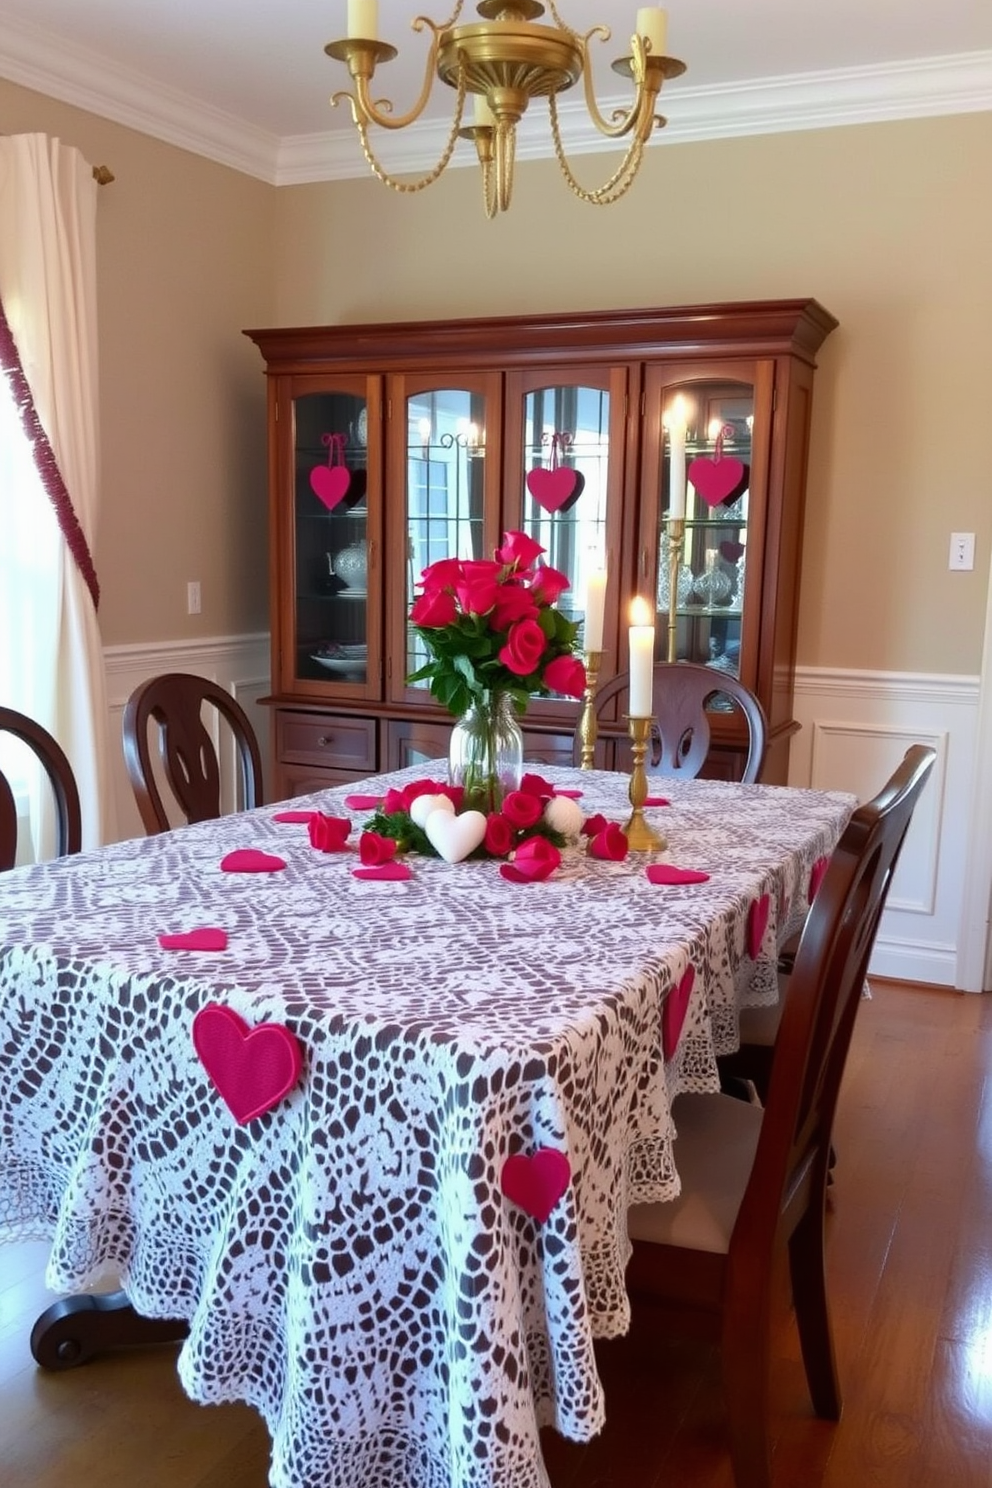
<point>247,82</point>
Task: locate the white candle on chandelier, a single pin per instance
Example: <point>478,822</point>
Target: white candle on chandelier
<point>652,24</point>
<point>675,422</point>
<point>641,642</point>
<point>484,116</point>
<point>594,607</point>
<point>363,19</point>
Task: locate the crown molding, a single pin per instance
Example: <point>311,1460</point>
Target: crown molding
<point>937,85</point>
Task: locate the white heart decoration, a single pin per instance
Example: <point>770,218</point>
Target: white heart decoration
<point>455,837</point>
<point>422,806</point>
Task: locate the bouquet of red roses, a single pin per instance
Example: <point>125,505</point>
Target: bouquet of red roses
<point>491,627</point>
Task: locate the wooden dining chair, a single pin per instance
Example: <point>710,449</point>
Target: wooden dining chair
<point>68,818</point>
<point>175,702</point>
<point>683,693</point>
<point>759,1026</point>
<point>753,1181</point>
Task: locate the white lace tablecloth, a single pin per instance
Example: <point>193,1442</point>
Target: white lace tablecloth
<point>347,1261</point>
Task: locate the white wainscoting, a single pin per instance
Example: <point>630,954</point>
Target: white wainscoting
<point>856,726</point>
<point>238,663</point>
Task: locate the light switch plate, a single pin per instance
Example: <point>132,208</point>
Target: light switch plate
<point>962,553</point>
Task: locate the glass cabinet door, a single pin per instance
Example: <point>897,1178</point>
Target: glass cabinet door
<point>565,464</point>
<point>724,421</point>
<point>443,463</point>
<point>329,640</point>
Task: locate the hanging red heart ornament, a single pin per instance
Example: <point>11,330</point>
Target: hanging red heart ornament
<point>717,477</point>
<point>557,488</point>
<point>330,483</point>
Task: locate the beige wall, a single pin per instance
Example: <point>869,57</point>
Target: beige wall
<point>185,262</point>
<point>889,226</point>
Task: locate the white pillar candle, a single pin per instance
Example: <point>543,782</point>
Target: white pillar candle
<point>652,24</point>
<point>676,465</point>
<point>595,603</point>
<point>484,116</point>
<point>641,640</point>
<point>363,19</point>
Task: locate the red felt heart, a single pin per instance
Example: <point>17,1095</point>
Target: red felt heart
<point>674,1011</point>
<point>715,480</point>
<point>757,924</point>
<point>731,550</point>
<point>207,938</point>
<point>252,1068</point>
<point>668,873</point>
<point>816,873</point>
<point>555,490</point>
<point>330,483</point>
<point>535,1184</point>
<point>250,860</point>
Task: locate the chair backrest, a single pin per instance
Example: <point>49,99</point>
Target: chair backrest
<point>682,695</point>
<point>175,702</point>
<point>68,818</point>
<point>821,1003</point>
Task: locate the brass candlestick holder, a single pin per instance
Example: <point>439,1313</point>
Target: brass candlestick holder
<point>676,537</point>
<point>640,837</point>
<point>588,732</point>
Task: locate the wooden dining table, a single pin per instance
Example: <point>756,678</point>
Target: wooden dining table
<point>403,1261</point>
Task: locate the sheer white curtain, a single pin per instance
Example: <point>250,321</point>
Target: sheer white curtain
<point>51,658</point>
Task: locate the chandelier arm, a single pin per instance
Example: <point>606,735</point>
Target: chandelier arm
<point>616,186</point>
<point>408,187</point>
<point>640,117</point>
<point>381,113</point>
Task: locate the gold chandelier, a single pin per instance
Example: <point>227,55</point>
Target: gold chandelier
<point>504,61</point>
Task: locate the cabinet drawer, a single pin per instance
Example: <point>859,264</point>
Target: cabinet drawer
<point>334,741</point>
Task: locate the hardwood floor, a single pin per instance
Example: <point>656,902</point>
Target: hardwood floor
<point>910,1259</point>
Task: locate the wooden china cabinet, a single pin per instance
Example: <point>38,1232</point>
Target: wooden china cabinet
<point>393,445</point>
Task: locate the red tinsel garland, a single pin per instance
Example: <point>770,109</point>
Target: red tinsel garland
<point>44,459</point>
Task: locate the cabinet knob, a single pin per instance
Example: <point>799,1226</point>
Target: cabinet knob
<point>323,741</point>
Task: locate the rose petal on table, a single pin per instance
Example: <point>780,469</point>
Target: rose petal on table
<point>251,860</point>
<point>362,803</point>
<point>534,860</point>
<point>657,801</point>
<point>205,938</point>
<point>573,795</point>
<point>610,844</point>
<point>293,816</point>
<point>668,873</point>
<point>384,872</point>
<point>593,825</point>
<point>536,785</point>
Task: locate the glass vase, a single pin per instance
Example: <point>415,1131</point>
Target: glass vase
<point>486,752</point>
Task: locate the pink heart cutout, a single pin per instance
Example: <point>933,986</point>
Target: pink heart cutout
<point>293,816</point>
<point>252,1069</point>
<point>535,1184</point>
<point>555,490</point>
<point>250,860</point>
<point>206,938</point>
<point>330,483</point>
<point>674,1011</point>
<point>757,924</point>
<point>715,480</point>
<point>816,873</point>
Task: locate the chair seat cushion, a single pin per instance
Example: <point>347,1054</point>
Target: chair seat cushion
<point>714,1153</point>
<point>759,1025</point>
